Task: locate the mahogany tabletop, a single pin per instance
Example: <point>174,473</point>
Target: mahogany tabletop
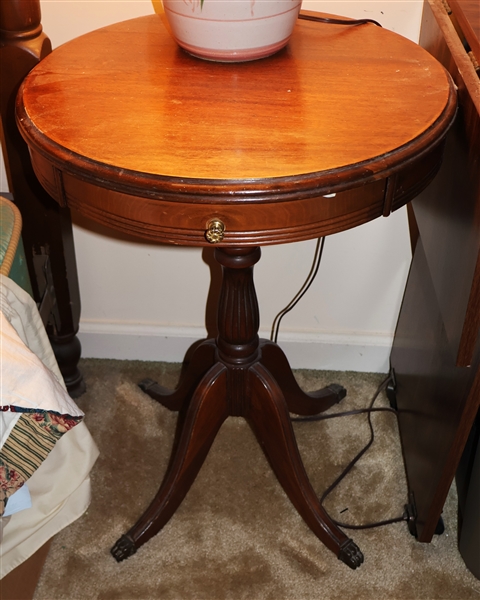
<point>343,125</point>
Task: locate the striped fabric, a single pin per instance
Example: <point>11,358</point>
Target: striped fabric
<point>28,445</point>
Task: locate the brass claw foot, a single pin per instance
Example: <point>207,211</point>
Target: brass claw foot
<point>338,390</point>
<point>350,554</point>
<point>147,383</point>
<point>123,548</point>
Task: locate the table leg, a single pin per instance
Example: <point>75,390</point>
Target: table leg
<point>298,401</point>
<point>204,416</point>
<point>269,418</point>
<point>239,375</point>
<point>203,357</point>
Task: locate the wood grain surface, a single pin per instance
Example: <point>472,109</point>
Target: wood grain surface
<point>124,109</point>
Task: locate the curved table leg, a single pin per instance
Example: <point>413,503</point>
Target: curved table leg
<point>205,415</point>
<point>298,401</point>
<point>269,418</point>
<point>202,359</point>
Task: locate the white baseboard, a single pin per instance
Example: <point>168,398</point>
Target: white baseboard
<point>305,350</point>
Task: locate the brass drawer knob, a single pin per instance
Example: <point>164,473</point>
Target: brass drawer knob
<point>215,231</point>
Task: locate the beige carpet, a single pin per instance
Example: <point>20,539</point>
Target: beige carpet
<point>236,535</point>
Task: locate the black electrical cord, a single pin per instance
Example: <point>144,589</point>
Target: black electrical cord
<point>359,455</point>
<point>321,241</point>
<point>368,411</point>
<point>302,291</point>
<point>334,21</point>
<point>276,326</point>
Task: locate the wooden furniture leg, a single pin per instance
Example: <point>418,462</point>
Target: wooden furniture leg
<point>205,414</point>
<point>203,357</point>
<point>269,418</point>
<point>298,401</point>
<point>47,227</point>
<point>237,375</point>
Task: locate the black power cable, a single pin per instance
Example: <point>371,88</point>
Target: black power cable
<point>334,21</point>
<point>321,241</point>
<point>295,300</point>
<point>302,291</point>
<point>368,411</point>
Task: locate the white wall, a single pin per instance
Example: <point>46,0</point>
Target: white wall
<point>148,301</point>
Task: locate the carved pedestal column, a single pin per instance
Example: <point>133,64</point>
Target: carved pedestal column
<point>236,375</point>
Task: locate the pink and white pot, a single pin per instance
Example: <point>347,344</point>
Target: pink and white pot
<point>232,30</point>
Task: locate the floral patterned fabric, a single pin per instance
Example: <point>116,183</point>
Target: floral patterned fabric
<point>31,440</point>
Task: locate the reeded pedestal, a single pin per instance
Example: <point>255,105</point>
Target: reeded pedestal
<point>239,375</point>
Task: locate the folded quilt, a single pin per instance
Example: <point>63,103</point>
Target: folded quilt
<point>30,442</point>
<point>36,410</point>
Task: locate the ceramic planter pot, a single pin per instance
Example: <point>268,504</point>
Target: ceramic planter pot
<point>232,30</point>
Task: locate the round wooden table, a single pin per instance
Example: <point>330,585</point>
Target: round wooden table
<point>342,126</point>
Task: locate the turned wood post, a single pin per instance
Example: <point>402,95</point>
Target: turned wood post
<point>238,314</point>
<point>47,229</point>
<point>238,322</point>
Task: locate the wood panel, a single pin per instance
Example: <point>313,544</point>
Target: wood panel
<point>467,13</point>
<point>20,584</point>
<point>437,400</point>
<point>449,219</point>
<point>436,351</point>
